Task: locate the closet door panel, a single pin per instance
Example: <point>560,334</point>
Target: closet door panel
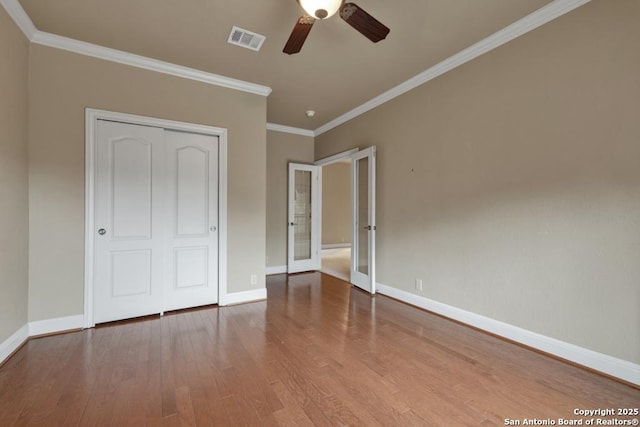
<point>192,220</point>
<point>129,213</point>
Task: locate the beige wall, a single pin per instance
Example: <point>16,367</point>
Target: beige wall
<point>62,85</point>
<point>336,204</point>
<point>511,185</point>
<point>14,231</point>
<point>282,148</point>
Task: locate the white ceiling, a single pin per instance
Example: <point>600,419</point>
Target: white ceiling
<point>337,70</point>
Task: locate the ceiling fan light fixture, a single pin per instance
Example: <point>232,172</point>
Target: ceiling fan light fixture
<point>320,9</point>
<point>351,13</point>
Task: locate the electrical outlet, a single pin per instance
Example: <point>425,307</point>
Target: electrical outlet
<point>419,284</point>
<point>254,279</point>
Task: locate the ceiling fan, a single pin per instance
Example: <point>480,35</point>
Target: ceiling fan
<point>351,13</point>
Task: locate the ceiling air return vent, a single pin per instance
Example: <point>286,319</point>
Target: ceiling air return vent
<point>244,38</point>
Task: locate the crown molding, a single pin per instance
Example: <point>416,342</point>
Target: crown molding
<point>114,55</point>
<point>22,20</point>
<point>530,22</point>
<point>289,129</point>
<point>20,17</point>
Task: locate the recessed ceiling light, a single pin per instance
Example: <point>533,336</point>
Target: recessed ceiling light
<point>310,113</point>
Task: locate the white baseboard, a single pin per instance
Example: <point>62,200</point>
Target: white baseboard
<point>246,296</point>
<point>60,324</point>
<point>280,269</point>
<point>336,245</point>
<point>609,365</point>
<point>14,342</point>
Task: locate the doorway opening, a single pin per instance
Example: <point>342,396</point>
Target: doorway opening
<point>336,219</point>
<point>305,216</point>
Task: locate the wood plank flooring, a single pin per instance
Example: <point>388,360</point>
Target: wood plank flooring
<point>316,352</point>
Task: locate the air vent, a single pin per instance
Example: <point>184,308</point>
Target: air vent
<point>244,38</point>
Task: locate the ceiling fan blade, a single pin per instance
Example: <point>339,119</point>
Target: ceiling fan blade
<point>299,34</point>
<point>366,24</point>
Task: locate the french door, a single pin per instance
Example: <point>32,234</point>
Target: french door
<point>363,219</point>
<point>156,218</point>
<point>304,216</point>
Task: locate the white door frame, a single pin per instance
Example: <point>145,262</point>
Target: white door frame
<point>336,157</point>
<point>353,155</point>
<point>91,119</point>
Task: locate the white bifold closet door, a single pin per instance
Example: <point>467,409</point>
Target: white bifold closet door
<point>156,216</point>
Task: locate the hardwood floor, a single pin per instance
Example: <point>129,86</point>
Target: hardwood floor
<point>317,352</point>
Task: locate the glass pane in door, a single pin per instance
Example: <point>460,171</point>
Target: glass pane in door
<point>363,215</point>
<point>302,215</point>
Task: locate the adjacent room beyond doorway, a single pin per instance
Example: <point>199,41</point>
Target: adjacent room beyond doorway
<point>336,219</point>
<point>336,262</point>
